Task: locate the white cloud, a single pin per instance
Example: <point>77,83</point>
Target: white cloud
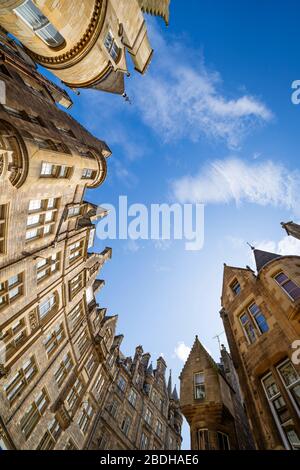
<point>179,97</point>
<point>233,180</point>
<point>285,247</point>
<point>182,351</point>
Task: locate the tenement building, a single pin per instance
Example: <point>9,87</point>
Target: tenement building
<point>49,319</point>
<point>60,361</point>
<point>261,316</point>
<point>87,49</point>
<point>139,410</point>
<point>211,401</point>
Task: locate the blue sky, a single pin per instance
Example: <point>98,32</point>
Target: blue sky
<point>212,121</point>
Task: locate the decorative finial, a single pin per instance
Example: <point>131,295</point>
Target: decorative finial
<point>126,98</point>
<point>251,246</point>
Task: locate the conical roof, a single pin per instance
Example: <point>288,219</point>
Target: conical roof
<point>263,257</point>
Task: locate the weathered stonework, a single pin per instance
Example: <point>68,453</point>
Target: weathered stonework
<point>215,414</point>
<point>145,403</point>
<point>263,350</point>
<point>95,39</point>
<point>60,358</point>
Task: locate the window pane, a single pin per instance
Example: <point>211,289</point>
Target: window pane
<point>51,203</point>
<point>33,220</point>
<point>13,280</point>
<point>292,289</point>
<point>50,35</point>
<point>14,292</point>
<point>280,278</point>
<point>31,14</point>
<point>271,387</point>
<point>199,379</point>
<point>35,205</point>
<point>293,439</point>
<point>49,216</point>
<point>288,373</point>
<point>296,394</point>
<point>259,318</point>
<point>46,169</point>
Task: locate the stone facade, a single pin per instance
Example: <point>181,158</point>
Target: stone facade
<point>211,401</point>
<point>261,316</point>
<point>59,353</point>
<point>86,49</point>
<point>49,316</point>
<point>140,411</point>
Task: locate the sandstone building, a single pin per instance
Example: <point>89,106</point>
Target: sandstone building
<point>261,316</point>
<point>139,410</point>
<point>59,354</point>
<point>87,49</point>
<point>211,401</point>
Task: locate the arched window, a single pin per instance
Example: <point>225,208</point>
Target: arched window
<point>39,23</point>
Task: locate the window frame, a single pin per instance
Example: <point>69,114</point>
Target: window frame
<point>199,385</point>
<point>278,395</point>
<point>55,171</point>
<point>237,284</point>
<point>33,413</point>
<point>21,380</point>
<point>40,24</point>
<point>6,290</point>
<point>289,387</point>
<point>285,282</point>
<point>4,215</point>
<point>252,321</point>
<point>45,225</point>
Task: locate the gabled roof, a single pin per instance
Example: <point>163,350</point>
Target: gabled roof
<point>230,271</point>
<point>198,348</point>
<point>263,257</point>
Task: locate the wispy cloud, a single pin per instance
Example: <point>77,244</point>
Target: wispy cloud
<point>122,173</point>
<point>182,351</point>
<point>234,180</point>
<point>132,246</point>
<point>180,97</point>
<point>162,245</point>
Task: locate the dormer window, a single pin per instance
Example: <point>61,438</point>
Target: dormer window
<point>31,15</point>
<point>236,288</point>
